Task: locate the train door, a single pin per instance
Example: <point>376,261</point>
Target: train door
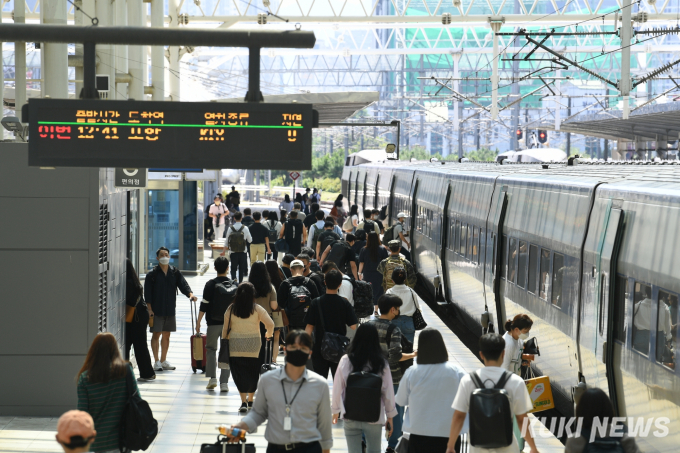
<point>376,199</point>
<point>501,248</point>
<point>349,187</point>
<point>390,203</point>
<point>442,290</point>
<point>609,246</point>
<point>363,197</point>
<point>412,226</point>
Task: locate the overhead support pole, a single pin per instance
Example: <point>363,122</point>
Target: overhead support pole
<point>495,23</point>
<point>174,55</point>
<point>626,35</point>
<point>254,94</point>
<point>157,54</point>
<point>19,57</point>
<point>89,72</point>
<point>456,86</point>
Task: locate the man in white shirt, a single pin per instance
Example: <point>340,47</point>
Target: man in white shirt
<point>492,350</point>
<point>218,211</point>
<point>346,290</point>
<point>316,227</point>
<point>410,303</point>
<point>644,322</point>
<point>237,247</point>
<point>400,231</point>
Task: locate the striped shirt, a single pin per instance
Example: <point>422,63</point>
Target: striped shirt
<point>105,403</point>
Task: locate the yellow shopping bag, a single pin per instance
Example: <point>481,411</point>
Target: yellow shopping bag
<point>540,392</point>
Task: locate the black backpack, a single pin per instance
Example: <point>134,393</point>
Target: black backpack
<point>360,235</point>
<point>362,292</point>
<point>248,221</point>
<point>406,348</point>
<point>223,297</point>
<point>315,236</point>
<point>298,303</point>
<point>604,446</point>
<point>490,407</point>
<point>271,233</point>
<point>369,226</point>
<point>293,229</point>
<point>338,253</point>
<point>362,397</point>
<point>329,237</point>
<point>138,428</point>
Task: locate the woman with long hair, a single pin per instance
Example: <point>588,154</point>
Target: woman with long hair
<point>364,354</point>
<point>136,320</point>
<point>273,223</point>
<point>428,419</point>
<point>102,390</point>
<point>369,258</point>
<point>265,297</point>
<point>354,217</point>
<point>286,203</point>
<point>276,276</point>
<point>595,405</point>
<point>242,328</point>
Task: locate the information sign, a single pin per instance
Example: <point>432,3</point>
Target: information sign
<point>130,177</point>
<point>294,175</point>
<point>169,135</point>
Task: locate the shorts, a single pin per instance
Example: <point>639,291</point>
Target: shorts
<point>164,324</point>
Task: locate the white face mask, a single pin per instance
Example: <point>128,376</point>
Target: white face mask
<point>164,261</point>
<point>524,336</point>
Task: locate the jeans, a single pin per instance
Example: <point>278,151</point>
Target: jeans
<point>239,260</point>
<point>398,422</point>
<point>371,431</point>
<point>405,324</point>
<point>212,341</point>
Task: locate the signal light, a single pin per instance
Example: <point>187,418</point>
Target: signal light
<point>519,134</point>
<point>542,136</point>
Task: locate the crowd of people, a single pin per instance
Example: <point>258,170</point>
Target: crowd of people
<point>382,384</point>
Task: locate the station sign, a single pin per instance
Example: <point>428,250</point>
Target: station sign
<point>294,175</point>
<point>169,135</point>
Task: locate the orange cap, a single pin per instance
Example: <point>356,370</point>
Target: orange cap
<point>75,423</point>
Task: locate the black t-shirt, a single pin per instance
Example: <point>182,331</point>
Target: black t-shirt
<point>259,232</point>
<point>309,220</point>
<point>286,272</point>
<point>357,247</point>
<point>319,281</point>
<point>337,315</point>
<point>327,238</point>
<point>208,293</point>
<point>369,264</point>
<point>380,225</point>
<point>293,231</point>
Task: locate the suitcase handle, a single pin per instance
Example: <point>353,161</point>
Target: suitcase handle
<point>193,309</point>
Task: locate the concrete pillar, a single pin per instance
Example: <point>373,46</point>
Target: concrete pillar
<point>495,23</point>
<point>121,20</point>
<point>19,60</point>
<point>157,54</point>
<point>106,52</point>
<point>558,101</point>
<point>174,75</point>
<point>136,54</point>
<point>626,35</point>
<point>456,86</point>
<point>55,56</point>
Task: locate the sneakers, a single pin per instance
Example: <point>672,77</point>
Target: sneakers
<point>244,408</point>
<point>211,384</point>
<point>146,379</point>
<point>224,387</point>
<point>166,366</point>
<point>158,366</point>
<point>250,405</point>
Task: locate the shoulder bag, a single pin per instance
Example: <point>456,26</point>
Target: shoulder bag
<point>223,358</point>
<point>418,320</point>
<point>333,345</point>
<point>138,428</point>
<point>224,446</point>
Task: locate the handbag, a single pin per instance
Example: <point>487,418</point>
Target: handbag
<point>531,347</point>
<point>223,357</point>
<point>284,316</point>
<point>348,225</point>
<point>402,445</point>
<point>418,320</point>
<point>223,446</point>
<point>281,246</point>
<point>333,345</point>
<point>138,428</point>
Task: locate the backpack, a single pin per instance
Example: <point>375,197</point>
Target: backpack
<point>369,226</point>
<point>490,407</point>
<point>392,264</point>
<point>360,235</point>
<point>406,347</point>
<point>237,240</point>
<point>362,292</point>
<point>348,225</point>
<point>248,221</point>
<point>333,345</point>
<point>223,297</point>
<point>328,239</point>
<point>388,236</point>
<point>293,229</point>
<point>362,397</point>
<point>138,428</point>
<point>271,233</point>
<point>298,303</point>
<point>607,445</point>
<point>338,253</point>
<point>315,236</point>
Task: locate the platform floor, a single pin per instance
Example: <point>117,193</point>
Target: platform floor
<point>187,413</point>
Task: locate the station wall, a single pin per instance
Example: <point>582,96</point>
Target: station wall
<point>63,242</point>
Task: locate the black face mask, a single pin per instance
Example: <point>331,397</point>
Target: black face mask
<point>397,315</point>
<point>297,357</point>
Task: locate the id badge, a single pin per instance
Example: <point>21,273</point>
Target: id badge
<point>287,424</point>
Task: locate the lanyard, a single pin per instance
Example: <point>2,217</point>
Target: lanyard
<point>285,398</point>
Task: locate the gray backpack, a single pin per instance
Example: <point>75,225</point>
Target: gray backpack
<point>237,240</point>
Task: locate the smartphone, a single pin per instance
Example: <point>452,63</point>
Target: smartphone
<point>388,428</point>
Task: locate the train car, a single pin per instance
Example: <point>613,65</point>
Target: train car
<point>588,251</point>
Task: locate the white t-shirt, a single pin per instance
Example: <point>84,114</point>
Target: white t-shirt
<point>217,210</point>
<point>345,291</point>
<point>399,228</point>
<point>513,353</point>
<point>520,402</point>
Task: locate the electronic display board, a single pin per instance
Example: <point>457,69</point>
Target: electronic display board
<point>148,134</point>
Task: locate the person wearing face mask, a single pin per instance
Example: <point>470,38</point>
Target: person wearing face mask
<point>218,211</point>
<point>295,402</point>
<point>160,293</point>
<point>376,218</point>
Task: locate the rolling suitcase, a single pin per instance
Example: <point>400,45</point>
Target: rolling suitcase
<point>199,354</point>
<point>221,446</point>
<point>268,358</point>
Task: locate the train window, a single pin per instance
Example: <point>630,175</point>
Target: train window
<point>642,317</point>
<point>533,262</point>
<point>665,341</point>
<point>522,265</point>
<point>558,279</point>
<point>463,239</point>
<point>512,260</point>
<point>504,256</point>
<point>545,274</point>
<point>620,308</point>
<point>475,245</point>
<point>456,246</point>
<point>470,245</point>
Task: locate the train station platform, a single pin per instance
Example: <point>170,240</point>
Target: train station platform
<point>188,413</point>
